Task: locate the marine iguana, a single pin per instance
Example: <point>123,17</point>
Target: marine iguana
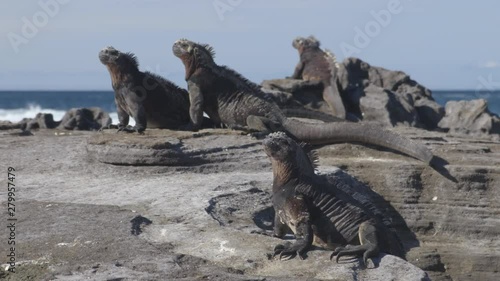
<point>216,90</point>
<point>151,100</point>
<point>320,211</point>
<point>318,65</point>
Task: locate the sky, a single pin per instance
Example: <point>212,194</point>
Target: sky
<point>53,44</point>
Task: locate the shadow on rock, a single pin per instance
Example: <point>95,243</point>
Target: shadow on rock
<point>137,223</point>
<point>439,165</point>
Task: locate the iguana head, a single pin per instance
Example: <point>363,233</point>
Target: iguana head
<point>193,54</point>
<point>111,56</point>
<point>118,62</point>
<point>287,156</point>
<point>280,147</point>
<point>301,43</point>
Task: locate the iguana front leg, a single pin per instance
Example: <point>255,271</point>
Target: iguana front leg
<point>196,107</point>
<point>123,117</point>
<point>137,110</point>
<point>297,74</point>
<point>304,239</point>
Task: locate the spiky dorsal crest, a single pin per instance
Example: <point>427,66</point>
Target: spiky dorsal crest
<point>209,49</point>
<point>131,59</point>
<point>242,83</point>
<point>313,41</point>
<point>277,135</point>
<point>332,59</point>
<point>312,155</point>
<point>204,53</point>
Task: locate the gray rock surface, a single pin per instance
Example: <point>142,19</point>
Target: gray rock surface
<point>470,117</point>
<point>87,119</point>
<point>7,125</point>
<point>429,113</point>
<point>75,211</point>
<point>41,121</point>
<point>386,107</point>
<point>368,92</point>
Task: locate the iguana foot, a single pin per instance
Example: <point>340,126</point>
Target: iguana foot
<point>354,250</point>
<point>126,129</point>
<point>289,251</point>
<point>129,129</point>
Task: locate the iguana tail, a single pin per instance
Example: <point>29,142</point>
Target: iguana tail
<point>311,114</point>
<point>326,133</point>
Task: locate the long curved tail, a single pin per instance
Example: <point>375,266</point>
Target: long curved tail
<point>326,133</point>
<point>311,114</point>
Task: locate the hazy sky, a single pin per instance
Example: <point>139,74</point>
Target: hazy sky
<point>441,44</point>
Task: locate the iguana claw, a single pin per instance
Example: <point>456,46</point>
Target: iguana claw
<point>288,252</point>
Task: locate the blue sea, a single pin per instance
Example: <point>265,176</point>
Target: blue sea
<point>16,105</point>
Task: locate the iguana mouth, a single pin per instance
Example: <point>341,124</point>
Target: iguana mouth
<point>270,146</point>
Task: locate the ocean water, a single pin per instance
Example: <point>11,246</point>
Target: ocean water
<point>16,105</point>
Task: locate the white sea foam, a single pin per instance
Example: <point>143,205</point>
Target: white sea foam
<point>114,118</point>
<point>17,114</point>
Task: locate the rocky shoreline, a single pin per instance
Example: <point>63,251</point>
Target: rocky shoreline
<point>77,211</point>
<point>185,205</point>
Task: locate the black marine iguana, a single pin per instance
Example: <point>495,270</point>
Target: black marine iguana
<point>321,212</point>
<point>151,100</point>
<point>217,91</point>
<point>318,65</point>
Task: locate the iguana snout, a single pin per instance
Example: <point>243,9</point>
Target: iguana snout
<point>279,146</point>
<point>108,55</point>
<point>182,47</point>
<point>301,43</point>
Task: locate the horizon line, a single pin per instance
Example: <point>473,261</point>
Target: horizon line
<point>111,90</point>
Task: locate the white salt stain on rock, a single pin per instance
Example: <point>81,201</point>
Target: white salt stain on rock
<point>223,248</point>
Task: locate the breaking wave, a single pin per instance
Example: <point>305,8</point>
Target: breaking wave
<point>30,111</point>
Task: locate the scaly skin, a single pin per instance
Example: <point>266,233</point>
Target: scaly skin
<point>151,100</point>
<point>317,65</point>
<point>320,212</point>
<point>220,96</point>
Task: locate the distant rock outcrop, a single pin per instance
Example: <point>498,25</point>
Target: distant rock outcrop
<point>84,119</point>
<point>7,125</point>
<point>470,117</point>
<point>88,119</point>
<point>41,121</point>
<point>369,93</point>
